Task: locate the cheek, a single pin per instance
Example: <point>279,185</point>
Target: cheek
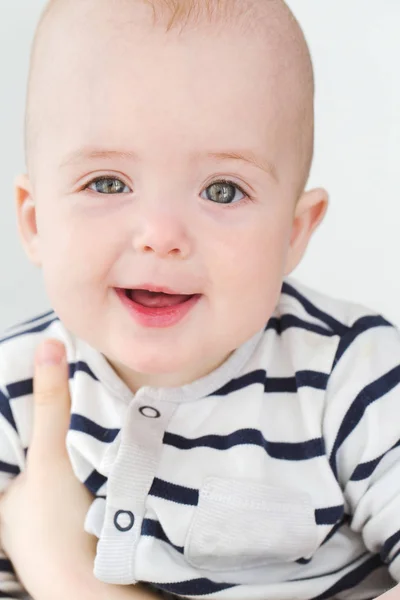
<point>253,255</point>
<point>248,268</point>
<point>77,253</point>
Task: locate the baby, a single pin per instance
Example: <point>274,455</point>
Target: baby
<point>239,432</point>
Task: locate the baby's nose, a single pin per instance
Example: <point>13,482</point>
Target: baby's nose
<point>162,234</point>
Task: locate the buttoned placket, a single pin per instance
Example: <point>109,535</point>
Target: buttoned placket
<point>130,479</point>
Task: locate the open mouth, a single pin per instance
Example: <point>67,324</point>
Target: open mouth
<point>153,308</point>
<point>155,299</point>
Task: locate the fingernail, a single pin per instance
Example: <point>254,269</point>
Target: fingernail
<point>50,353</point>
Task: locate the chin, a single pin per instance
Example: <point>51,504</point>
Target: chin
<point>154,364</point>
<point>153,368</point>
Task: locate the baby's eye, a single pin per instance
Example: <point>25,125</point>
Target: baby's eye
<point>108,185</point>
<point>224,192</point>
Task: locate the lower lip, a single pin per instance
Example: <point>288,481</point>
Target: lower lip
<point>157,317</point>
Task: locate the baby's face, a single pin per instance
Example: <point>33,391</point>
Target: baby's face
<point>138,181</point>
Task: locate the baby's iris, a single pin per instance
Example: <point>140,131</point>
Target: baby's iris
<point>108,185</point>
<point>220,192</point>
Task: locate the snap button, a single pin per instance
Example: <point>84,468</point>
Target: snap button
<point>149,412</point>
<point>124,520</point>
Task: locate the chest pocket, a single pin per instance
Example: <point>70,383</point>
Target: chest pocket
<point>246,524</point>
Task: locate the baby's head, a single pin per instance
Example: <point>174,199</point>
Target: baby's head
<point>168,144</point>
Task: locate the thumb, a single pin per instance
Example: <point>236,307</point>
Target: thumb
<point>52,403</point>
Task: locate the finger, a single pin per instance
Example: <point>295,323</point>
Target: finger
<point>393,594</point>
<point>52,403</point>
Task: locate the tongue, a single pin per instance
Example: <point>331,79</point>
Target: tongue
<point>157,299</point>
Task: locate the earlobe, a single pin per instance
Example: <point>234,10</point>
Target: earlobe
<point>26,218</point>
<point>309,213</point>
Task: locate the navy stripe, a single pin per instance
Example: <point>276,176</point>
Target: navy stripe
<point>6,566</point>
<point>336,326</point>
<point>351,579</point>
<point>365,470</point>
<point>280,385</point>
<point>37,329</point>
<point>255,377</point>
<point>152,528</point>
<point>81,367</point>
<point>9,468</point>
<point>174,493</point>
<point>345,521</point>
<point>279,450</point>
<point>29,321</point>
<point>290,385</point>
<point>303,561</point>
<point>367,396</point>
<point>389,545</point>
<point>194,587</point>
<point>288,321</point>
<point>190,496</point>
<point>359,327</point>
<point>85,425</point>
<point>18,389</point>
<point>328,573</point>
<point>6,412</point>
<point>395,556</point>
<point>329,515</point>
<point>94,482</point>
<point>312,379</point>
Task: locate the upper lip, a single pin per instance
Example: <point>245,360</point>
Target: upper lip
<point>158,288</point>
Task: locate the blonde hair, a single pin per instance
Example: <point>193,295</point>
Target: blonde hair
<point>182,13</point>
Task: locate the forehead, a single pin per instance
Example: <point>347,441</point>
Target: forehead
<point>145,85</point>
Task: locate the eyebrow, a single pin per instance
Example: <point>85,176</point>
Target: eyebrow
<point>247,156</point>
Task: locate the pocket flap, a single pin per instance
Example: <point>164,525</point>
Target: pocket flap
<point>245,524</point>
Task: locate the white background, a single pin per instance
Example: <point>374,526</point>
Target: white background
<point>356,52</point>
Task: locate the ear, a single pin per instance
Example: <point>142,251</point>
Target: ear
<point>26,218</point>
<point>310,211</point>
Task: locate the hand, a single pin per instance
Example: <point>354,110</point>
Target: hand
<point>42,514</point>
<point>43,511</point>
<point>393,594</point>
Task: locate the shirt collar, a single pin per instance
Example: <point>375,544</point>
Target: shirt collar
<point>195,390</point>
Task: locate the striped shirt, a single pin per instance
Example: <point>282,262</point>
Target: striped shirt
<point>276,476</point>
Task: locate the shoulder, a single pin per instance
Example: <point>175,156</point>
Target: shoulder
<point>336,316</point>
<point>318,332</point>
<point>356,354</point>
<point>18,344</point>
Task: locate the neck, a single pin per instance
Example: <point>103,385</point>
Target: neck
<point>135,380</point>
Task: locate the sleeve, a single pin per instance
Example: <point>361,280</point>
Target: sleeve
<point>362,433</point>
<point>12,459</point>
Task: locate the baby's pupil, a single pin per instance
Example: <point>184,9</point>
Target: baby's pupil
<point>221,192</point>
<point>109,185</point>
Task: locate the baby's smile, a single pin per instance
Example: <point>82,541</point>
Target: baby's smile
<point>157,309</point>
